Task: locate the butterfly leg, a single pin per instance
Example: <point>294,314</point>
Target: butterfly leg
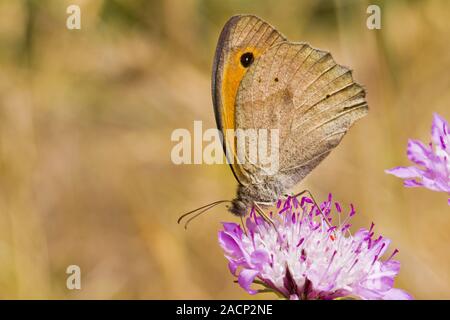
<point>243,226</point>
<point>268,219</point>
<point>315,203</point>
<point>263,214</point>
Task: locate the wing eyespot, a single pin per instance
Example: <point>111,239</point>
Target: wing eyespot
<point>247,59</point>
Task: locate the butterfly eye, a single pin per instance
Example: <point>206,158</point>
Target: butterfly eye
<point>247,59</point>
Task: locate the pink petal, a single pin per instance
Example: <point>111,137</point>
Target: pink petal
<point>232,266</point>
<point>432,184</point>
<point>412,183</point>
<point>405,172</point>
<point>391,266</point>
<point>251,226</point>
<point>419,153</point>
<point>232,246</point>
<point>366,294</point>
<point>232,227</point>
<point>439,129</point>
<point>443,185</point>
<point>397,294</point>
<point>246,278</point>
<point>259,258</point>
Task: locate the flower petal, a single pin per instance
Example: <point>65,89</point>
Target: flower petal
<point>405,172</point>
<point>440,131</point>
<point>246,278</point>
<point>232,266</point>
<point>259,257</point>
<point>233,227</point>
<point>397,294</point>
<point>366,294</point>
<point>232,246</point>
<point>419,153</point>
<point>411,183</point>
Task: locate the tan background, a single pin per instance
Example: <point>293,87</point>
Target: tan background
<point>85,123</point>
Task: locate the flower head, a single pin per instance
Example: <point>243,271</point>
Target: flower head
<point>432,168</point>
<point>304,256</point>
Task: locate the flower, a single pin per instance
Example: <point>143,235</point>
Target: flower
<point>303,256</point>
<point>433,165</point>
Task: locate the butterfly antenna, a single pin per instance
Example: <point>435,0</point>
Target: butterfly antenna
<point>195,210</point>
<point>202,210</point>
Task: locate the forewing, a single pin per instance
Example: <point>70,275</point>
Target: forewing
<point>241,34</point>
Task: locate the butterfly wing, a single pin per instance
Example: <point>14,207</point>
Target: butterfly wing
<point>241,34</point>
<point>310,99</point>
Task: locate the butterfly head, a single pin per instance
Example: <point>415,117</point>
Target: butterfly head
<point>238,208</point>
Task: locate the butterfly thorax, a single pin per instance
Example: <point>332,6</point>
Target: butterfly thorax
<point>266,192</point>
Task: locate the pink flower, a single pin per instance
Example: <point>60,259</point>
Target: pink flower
<point>304,256</point>
<point>432,168</point>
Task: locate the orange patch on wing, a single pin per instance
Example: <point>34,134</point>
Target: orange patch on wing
<point>232,77</point>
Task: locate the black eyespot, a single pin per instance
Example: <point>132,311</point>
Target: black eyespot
<point>276,79</point>
<point>247,59</point>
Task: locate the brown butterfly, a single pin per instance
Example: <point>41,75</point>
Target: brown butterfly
<point>260,80</point>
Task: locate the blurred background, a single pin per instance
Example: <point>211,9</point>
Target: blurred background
<point>86,118</point>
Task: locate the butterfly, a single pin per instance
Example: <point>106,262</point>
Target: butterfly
<point>261,80</point>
